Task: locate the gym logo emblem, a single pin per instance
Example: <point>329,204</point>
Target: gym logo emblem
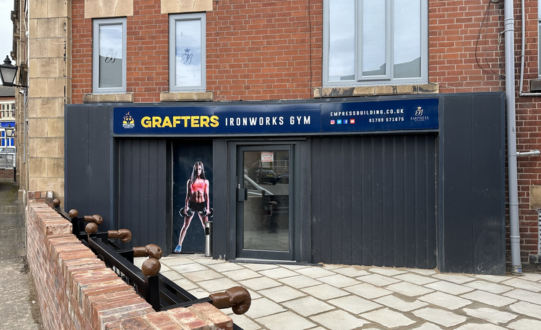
<point>419,115</point>
<point>333,122</point>
<point>128,121</point>
<point>352,121</point>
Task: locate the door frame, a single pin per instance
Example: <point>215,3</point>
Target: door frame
<point>300,223</point>
<point>275,255</point>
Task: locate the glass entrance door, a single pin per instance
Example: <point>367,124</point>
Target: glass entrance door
<point>264,202</point>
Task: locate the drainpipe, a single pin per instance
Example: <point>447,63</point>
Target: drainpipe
<point>509,30</point>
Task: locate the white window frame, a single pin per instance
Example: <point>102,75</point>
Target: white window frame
<point>172,54</point>
<point>375,80</point>
<point>96,52</point>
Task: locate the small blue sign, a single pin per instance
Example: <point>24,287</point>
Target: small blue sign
<point>253,119</point>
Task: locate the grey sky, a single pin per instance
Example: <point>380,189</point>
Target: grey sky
<point>6,28</point>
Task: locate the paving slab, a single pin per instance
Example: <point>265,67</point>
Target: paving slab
<point>203,275</point>
<point>285,320</point>
<point>525,324</point>
<point>244,322</point>
<point>427,326</point>
<point>339,320</point>
<point>489,298</point>
<point>387,271</point>
<point>186,268</point>
<point>458,279</point>
<point>339,280</point>
<point>300,281</point>
<point>439,316</point>
<point>399,304</point>
<point>308,306</point>
<point>315,272</point>
<point>448,287</point>
<point>532,297</point>
<point>219,284</point>
<point>477,326</point>
<point>351,271</point>
<point>528,309</point>
<point>263,307</point>
<point>415,279</point>
<point>277,273</point>
<point>409,289</point>
<point>491,315</point>
<point>225,267</point>
<point>367,291</point>
<point>488,286</point>
<point>354,304</point>
<point>185,284</point>
<point>523,284</point>
<point>282,293</point>
<point>531,277</point>
<point>445,300</point>
<point>258,267</point>
<point>388,318</point>
<point>325,292</point>
<point>378,280</point>
<point>242,274</point>
<point>260,283</point>
<point>422,271</point>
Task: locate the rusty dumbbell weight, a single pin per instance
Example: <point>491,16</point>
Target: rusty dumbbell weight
<point>238,298</point>
<point>123,234</point>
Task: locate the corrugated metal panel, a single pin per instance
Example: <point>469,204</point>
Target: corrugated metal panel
<point>143,188</point>
<point>373,200</point>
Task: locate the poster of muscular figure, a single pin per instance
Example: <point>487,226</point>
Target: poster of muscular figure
<point>192,195</point>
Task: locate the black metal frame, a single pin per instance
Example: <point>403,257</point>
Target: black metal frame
<point>159,291</point>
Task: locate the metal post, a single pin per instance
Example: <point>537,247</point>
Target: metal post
<point>208,239</point>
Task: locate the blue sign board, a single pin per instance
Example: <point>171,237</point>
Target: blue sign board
<point>253,119</point>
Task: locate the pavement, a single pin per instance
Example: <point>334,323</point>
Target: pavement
<point>19,307</point>
<point>343,297</point>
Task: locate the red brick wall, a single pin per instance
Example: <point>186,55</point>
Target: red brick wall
<point>256,50</point>
<point>77,291</point>
<point>6,173</point>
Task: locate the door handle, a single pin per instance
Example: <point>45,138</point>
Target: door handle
<point>242,194</point>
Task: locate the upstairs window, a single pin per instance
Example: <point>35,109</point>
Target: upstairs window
<point>375,42</point>
<point>187,52</point>
<point>109,56</point>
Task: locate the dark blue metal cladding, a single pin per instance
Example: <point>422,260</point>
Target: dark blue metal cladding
<point>373,200</point>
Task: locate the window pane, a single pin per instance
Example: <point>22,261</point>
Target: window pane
<point>374,38</point>
<point>188,53</point>
<point>407,38</point>
<point>110,65</point>
<point>341,40</point>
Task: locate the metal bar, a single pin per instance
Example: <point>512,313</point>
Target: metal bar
<point>133,273</point>
<point>153,292</point>
<point>188,303</point>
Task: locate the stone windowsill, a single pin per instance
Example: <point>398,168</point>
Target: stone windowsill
<point>187,96</point>
<point>108,98</point>
<point>324,92</point>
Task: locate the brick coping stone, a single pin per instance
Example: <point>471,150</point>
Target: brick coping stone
<point>77,291</point>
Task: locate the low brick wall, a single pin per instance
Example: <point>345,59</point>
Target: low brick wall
<point>77,291</point>
<point>6,173</point>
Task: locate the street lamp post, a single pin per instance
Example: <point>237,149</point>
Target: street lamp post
<point>8,72</point>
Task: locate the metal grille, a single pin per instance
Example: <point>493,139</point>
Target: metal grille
<point>7,160</point>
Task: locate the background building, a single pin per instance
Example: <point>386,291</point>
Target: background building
<point>88,52</point>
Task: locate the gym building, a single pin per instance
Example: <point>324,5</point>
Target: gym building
<point>344,132</point>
